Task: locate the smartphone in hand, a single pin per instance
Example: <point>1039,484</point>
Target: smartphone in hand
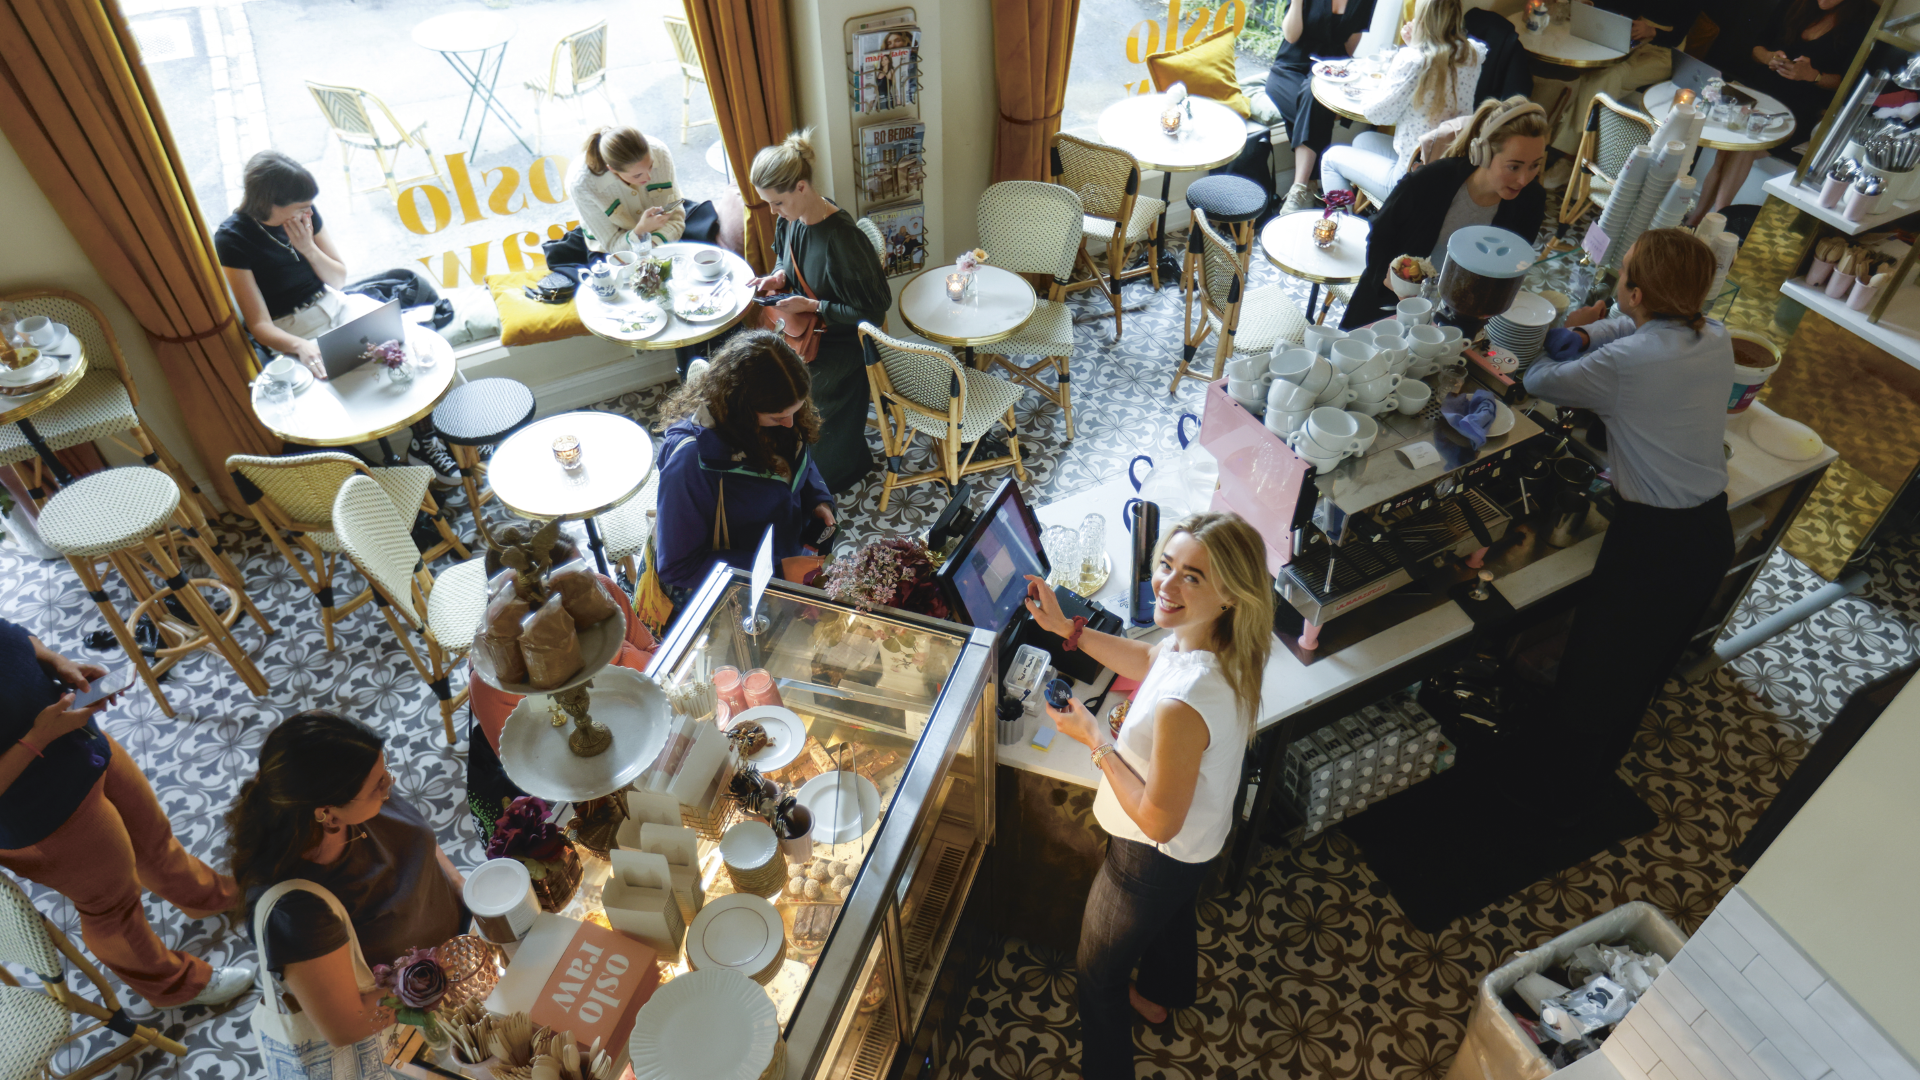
<point>773,298</point>
<point>816,532</point>
<point>105,687</point>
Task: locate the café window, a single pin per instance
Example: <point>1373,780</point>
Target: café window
<point>479,110</point>
<point>1110,58</point>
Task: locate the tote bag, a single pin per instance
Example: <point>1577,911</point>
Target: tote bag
<point>291,1047</point>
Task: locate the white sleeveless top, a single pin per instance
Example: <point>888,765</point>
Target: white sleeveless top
<point>1193,678</point>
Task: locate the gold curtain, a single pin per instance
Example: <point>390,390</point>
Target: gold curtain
<point>77,107</point>
<point>748,59</point>
<point>1032,48</point>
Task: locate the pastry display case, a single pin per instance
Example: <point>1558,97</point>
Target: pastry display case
<point>905,704</point>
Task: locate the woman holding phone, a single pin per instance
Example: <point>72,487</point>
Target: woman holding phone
<point>1168,776</point>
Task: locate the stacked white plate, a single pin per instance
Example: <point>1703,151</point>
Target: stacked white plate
<point>740,932</point>
<point>707,1025</point>
<point>1522,328</point>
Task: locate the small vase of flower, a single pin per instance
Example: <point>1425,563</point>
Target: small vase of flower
<point>391,358</point>
<point>415,985</point>
<point>524,833</point>
<point>966,266</point>
<point>1328,227</point>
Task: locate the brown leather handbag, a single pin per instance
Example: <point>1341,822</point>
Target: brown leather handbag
<point>801,329</point>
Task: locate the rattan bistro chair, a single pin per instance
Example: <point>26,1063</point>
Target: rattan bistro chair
<point>37,1023</point>
<point>1612,131</point>
<point>1248,321</point>
<point>446,610</point>
<point>352,123</point>
<point>105,405</point>
<point>926,390</point>
<point>578,67</point>
<point>680,32</point>
<point>1107,180</point>
<point>1034,228</point>
<point>292,499</point>
<point>625,528</point>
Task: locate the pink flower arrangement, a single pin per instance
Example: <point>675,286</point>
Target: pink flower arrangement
<point>894,572</point>
<point>388,354</point>
<point>970,261</point>
<point>523,832</point>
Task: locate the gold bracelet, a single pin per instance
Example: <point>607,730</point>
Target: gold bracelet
<point>1100,753</point>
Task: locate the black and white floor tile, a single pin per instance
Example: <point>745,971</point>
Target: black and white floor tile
<point>1308,971</point>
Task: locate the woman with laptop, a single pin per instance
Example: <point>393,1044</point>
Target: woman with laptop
<point>1425,85</point>
<point>1652,30</point>
<point>288,278</point>
<point>1800,58</point>
<point>1168,776</point>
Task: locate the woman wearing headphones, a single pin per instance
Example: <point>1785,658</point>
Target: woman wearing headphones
<point>1489,176</point>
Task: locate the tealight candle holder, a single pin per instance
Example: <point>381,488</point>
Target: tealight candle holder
<point>1684,97</point>
<point>956,287</point>
<point>1325,230</point>
<point>1170,120</point>
<point>566,451</point>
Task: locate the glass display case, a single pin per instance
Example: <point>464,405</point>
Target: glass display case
<point>906,702</point>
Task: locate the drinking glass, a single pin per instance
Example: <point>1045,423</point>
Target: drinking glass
<point>1093,546</point>
<point>274,393</point>
<point>761,689</point>
<point>727,683</point>
<point>1062,546</point>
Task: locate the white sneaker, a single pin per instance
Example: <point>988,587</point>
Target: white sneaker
<point>227,983</point>
<point>1299,197</point>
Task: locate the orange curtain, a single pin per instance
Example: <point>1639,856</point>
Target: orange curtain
<point>1032,48</point>
<point>748,59</point>
<point>77,107</point>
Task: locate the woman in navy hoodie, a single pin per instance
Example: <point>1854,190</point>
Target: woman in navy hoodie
<point>736,459</point>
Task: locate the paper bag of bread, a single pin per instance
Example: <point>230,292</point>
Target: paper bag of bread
<point>582,593</point>
<point>550,645</point>
<point>498,648</point>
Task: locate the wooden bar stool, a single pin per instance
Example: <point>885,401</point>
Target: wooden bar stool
<point>481,413</point>
<point>131,518</point>
<point>1233,204</point>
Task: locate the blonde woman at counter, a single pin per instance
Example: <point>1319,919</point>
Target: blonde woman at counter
<point>1168,778</point>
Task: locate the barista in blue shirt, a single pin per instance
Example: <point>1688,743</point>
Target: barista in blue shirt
<point>1658,375</point>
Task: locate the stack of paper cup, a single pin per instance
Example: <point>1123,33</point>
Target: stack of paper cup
<point>1626,195</point>
<point>500,895</point>
<point>1660,178</point>
<point>1725,246</point>
<point>1675,127</point>
<point>1711,226</point>
<point>1675,206</point>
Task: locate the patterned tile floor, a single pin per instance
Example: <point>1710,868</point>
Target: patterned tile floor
<point>1309,970</point>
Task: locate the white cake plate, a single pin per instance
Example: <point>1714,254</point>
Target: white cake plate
<point>625,702</point>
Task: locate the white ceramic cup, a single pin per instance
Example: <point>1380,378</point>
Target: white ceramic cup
<point>1420,368</point>
<point>1376,389</point>
<point>1247,370</point>
<point>1311,452</point>
<point>1369,431</point>
<point>1413,311</point>
<point>1315,375</point>
<point>1369,369</point>
<point>1350,354</point>
<point>1336,394</point>
<point>281,369</point>
<point>707,264</point>
<point>38,329</point>
<point>1373,408</point>
<point>1291,364</point>
<point>1289,397</point>
<point>1456,340</point>
<point>623,259</point>
<point>1397,357</point>
<point>1246,393</point>
<point>1332,430</point>
<point>1364,335</point>
<point>1427,342</point>
<point>1413,396</point>
<point>1284,424</point>
<point>1320,339</point>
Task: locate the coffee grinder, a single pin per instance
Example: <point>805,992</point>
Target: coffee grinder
<point>1483,274</point>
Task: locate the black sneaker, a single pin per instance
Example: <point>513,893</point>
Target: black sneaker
<point>432,453</point>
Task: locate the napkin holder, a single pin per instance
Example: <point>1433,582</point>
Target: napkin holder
<point>640,902</point>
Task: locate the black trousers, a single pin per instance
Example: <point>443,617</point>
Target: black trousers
<point>1140,911</point>
<point>1657,572</point>
<point>1309,123</point>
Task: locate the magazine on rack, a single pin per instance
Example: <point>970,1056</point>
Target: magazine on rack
<point>892,163</point>
<point>904,230</point>
<point>889,69</point>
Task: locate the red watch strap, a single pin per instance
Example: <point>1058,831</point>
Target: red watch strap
<point>1072,641</point>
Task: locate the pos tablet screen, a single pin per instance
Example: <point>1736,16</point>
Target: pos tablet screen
<point>986,576</point>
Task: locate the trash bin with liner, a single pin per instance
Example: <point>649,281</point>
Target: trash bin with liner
<point>1495,1047</point>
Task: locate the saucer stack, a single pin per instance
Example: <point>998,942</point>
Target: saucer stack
<point>753,858</point>
<point>740,932</point>
<point>1522,329</point>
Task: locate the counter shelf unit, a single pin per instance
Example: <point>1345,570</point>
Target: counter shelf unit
<point>928,701</point>
<point>1876,35</point>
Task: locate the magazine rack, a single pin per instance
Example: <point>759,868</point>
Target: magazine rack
<point>889,146</point>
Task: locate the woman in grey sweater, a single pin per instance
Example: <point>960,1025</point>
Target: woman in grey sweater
<point>829,266</point>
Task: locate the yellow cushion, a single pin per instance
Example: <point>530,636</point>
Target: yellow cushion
<point>1206,66</point>
<point>525,321</point>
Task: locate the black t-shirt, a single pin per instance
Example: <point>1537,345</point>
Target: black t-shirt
<point>285,277</point>
<point>52,786</point>
<point>391,884</point>
<point>1326,32</point>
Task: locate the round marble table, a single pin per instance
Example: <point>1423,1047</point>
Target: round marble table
<point>1339,97</point>
<point>362,405</point>
<point>1558,45</point>
<point>1210,138</point>
<point>1001,304</point>
<point>611,318</point>
<point>18,411</point>
<point>1659,102</point>
<point>1288,243</point>
<point>616,456</point>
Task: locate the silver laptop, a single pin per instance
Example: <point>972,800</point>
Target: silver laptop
<point>1602,27</point>
<point>344,347</point>
<point>1691,74</point>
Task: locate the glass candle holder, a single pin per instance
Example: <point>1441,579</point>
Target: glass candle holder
<point>1757,124</point>
<point>1170,119</point>
<point>760,688</point>
<point>566,451</point>
<point>1325,230</point>
<point>1684,97</point>
<point>956,287</point>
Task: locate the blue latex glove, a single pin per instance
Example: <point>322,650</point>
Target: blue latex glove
<point>1565,344</point>
<point>1471,415</point>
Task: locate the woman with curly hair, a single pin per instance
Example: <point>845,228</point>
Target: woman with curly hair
<point>738,457</point>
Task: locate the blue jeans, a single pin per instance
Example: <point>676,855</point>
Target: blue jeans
<point>1139,911</point>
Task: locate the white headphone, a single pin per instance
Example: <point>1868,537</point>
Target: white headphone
<point>1478,151</point>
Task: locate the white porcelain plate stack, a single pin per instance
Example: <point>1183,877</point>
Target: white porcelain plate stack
<point>1522,328</point>
<point>740,932</point>
<point>711,1024</point>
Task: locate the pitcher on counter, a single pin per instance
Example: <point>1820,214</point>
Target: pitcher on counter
<point>1658,376</point>
<point>1168,777</point>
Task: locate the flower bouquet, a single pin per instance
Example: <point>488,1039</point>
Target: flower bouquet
<point>650,277</point>
<point>415,983</point>
<point>524,833</point>
<point>971,261</point>
<point>391,358</point>
<point>894,572</point>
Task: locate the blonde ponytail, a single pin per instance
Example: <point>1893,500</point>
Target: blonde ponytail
<point>779,168</point>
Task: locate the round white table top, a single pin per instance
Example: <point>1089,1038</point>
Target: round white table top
<point>1659,102</point>
<point>1001,304</point>
<point>1213,136</point>
<point>1558,44</point>
<point>1339,98</point>
<point>15,409</point>
<point>463,31</point>
<point>1288,243</point>
<point>362,405</point>
<point>606,318</point>
<point>616,454</point>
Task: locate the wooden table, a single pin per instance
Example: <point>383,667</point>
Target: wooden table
<point>17,410</point>
<point>604,317</point>
<point>1002,303</point>
<point>1659,102</point>
<point>1212,137</point>
<point>616,458</point>
<point>1557,45</point>
<point>362,406</point>
<point>1288,243</point>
